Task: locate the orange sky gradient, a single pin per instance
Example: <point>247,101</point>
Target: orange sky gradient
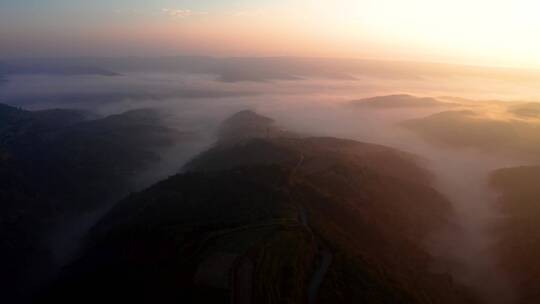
<point>477,32</point>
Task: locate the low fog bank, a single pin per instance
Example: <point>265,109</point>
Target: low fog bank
<point>263,69</point>
<point>82,82</point>
<point>469,248</point>
<point>198,103</point>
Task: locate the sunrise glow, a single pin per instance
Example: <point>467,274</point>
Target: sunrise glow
<point>482,32</point>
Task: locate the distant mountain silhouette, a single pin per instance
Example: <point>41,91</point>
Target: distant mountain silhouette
<point>261,69</point>
<point>21,67</point>
<point>474,129</point>
<point>400,101</point>
<point>98,98</point>
<point>527,110</point>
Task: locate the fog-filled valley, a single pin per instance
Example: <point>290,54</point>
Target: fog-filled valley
<point>268,180</point>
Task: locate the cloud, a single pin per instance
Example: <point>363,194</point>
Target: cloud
<point>255,13</point>
<point>181,13</point>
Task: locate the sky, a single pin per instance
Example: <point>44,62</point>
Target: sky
<point>480,32</point>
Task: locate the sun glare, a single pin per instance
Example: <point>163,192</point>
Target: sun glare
<point>499,32</point>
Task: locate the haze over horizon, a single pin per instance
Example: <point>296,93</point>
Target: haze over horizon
<point>488,33</point>
<point>270,151</point>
